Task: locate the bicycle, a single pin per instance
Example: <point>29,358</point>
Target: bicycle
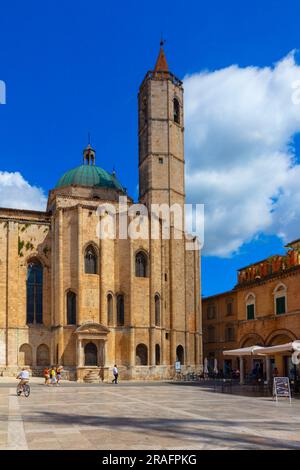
<point>25,388</point>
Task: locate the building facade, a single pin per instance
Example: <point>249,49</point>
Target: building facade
<point>72,297</point>
<point>265,312</point>
<point>219,327</point>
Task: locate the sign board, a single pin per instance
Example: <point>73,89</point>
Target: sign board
<point>177,366</point>
<point>281,388</point>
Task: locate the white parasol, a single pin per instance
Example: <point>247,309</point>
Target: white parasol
<point>205,366</point>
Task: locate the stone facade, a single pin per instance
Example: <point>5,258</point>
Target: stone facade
<point>160,320</point>
<point>265,311</point>
<point>219,326</point>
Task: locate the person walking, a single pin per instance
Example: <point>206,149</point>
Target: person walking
<point>47,375</point>
<point>53,376</point>
<point>58,374</point>
<point>116,374</point>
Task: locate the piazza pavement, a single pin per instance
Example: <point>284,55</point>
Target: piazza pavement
<point>143,415</point>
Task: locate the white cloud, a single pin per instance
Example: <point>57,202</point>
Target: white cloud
<point>240,124</point>
<point>16,192</point>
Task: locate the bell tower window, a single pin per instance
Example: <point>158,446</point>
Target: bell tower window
<point>176,111</point>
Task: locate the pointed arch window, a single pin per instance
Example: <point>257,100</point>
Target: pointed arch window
<point>90,260</point>
<point>141,264</point>
<point>120,310</point>
<point>176,111</point>
<point>110,313</point>
<point>34,288</point>
<point>157,309</point>
<point>180,354</point>
<point>71,308</point>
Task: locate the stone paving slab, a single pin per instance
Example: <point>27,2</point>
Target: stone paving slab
<point>143,416</point>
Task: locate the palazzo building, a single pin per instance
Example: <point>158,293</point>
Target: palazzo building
<point>263,309</point>
<point>73,298</point>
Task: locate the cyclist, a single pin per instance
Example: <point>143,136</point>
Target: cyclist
<point>23,376</point>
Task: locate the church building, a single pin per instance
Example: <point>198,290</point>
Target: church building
<point>69,297</point>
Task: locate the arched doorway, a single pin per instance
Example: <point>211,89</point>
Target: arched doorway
<point>141,355</point>
<point>180,354</point>
<point>90,354</point>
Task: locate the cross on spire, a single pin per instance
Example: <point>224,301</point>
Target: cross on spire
<point>162,40</point>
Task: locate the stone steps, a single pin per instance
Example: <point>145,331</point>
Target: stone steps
<point>92,377</point>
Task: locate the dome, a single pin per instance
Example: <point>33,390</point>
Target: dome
<point>89,175</point>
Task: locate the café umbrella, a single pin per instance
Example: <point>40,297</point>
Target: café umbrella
<point>205,366</point>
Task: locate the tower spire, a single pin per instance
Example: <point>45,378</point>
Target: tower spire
<point>161,63</point>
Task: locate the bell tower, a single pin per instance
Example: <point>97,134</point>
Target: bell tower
<point>161,136</point>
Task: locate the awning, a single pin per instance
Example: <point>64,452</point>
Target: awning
<point>250,351</point>
<point>264,351</point>
<point>287,347</point>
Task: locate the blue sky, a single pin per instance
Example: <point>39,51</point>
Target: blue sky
<point>75,67</point>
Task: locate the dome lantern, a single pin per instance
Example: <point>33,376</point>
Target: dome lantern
<point>89,155</point>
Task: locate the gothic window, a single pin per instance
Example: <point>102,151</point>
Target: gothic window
<point>141,355</point>
<point>34,310</point>
<point>250,306</point>
<point>120,310</point>
<point>280,298</point>
<point>110,319</point>
<point>176,111</point>
<point>157,310</point>
<point>141,263</point>
<point>71,308</point>
<point>90,260</point>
